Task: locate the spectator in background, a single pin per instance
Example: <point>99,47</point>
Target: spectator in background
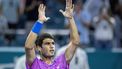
<point>115,6</point>
<point>22,16</point>
<point>104,30</point>
<point>11,12</point>
<point>20,63</point>
<point>3,25</point>
<point>3,22</point>
<point>79,61</point>
<point>31,12</point>
<point>82,19</point>
<point>31,7</point>
<point>93,6</point>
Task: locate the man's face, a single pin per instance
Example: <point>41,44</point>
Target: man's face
<point>48,47</point>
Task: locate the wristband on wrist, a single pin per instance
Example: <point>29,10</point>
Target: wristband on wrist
<point>37,27</point>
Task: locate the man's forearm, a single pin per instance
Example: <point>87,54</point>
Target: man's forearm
<point>74,32</point>
<point>74,40</point>
<point>30,41</point>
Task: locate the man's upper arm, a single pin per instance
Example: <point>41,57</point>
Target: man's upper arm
<point>29,47</point>
<point>70,51</point>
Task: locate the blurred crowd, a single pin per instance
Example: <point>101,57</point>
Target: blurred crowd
<point>99,22</point>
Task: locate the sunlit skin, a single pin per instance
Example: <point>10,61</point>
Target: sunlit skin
<point>48,47</point>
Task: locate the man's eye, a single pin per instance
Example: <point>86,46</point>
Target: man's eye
<point>47,43</point>
<point>53,43</point>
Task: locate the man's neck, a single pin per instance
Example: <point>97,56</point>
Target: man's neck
<point>48,60</point>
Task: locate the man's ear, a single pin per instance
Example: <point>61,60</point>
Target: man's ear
<point>38,48</point>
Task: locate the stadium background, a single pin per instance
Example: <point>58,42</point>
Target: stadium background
<point>12,39</point>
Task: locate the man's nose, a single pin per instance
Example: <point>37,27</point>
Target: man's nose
<point>52,45</point>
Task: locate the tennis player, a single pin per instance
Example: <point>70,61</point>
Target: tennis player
<point>45,43</point>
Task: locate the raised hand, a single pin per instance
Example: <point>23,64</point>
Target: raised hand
<point>41,11</point>
<point>68,13</point>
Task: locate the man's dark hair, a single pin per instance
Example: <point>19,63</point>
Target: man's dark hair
<point>40,39</point>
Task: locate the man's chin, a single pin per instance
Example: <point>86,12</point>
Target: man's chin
<point>52,55</point>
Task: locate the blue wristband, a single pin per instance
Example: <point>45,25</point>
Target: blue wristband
<point>37,27</point>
